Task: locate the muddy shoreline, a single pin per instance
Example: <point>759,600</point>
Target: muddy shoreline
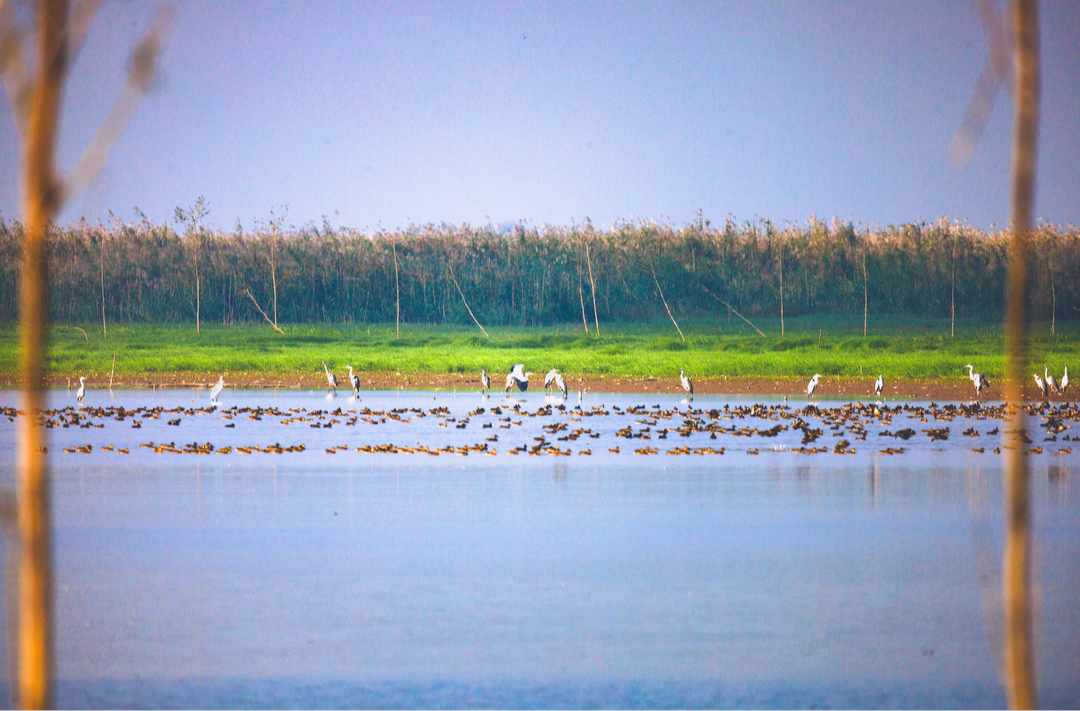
<point>959,388</point>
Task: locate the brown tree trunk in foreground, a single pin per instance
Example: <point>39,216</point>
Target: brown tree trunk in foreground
<point>1016,569</point>
<point>42,193</point>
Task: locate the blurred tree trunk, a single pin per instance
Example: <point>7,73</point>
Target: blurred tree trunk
<point>1016,572</point>
<point>42,194</point>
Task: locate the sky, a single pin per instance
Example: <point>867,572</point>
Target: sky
<point>382,115</point>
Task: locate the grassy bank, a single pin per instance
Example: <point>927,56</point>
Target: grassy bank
<point>713,348</point>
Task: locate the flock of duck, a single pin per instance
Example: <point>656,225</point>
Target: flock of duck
<point>636,429</point>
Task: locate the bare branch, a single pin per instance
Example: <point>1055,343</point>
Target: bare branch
<point>667,308</point>
<point>451,268</point>
<point>995,73</point>
<point>82,17</point>
<point>16,78</point>
<point>592,288</point>
<point>997,40</point>
<point>971,128</point>
<point>74,328</point>
<point>732,309</point>
<point>249,295</point>
<point>142,69</point>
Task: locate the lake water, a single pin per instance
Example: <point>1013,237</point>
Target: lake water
<point>293,576</point>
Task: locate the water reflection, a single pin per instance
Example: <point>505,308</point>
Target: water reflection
<point>410,579</point>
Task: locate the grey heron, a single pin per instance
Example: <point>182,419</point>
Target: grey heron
<point>879,385</point>
<point>518,377</point>
<point>686,383</point>
<point>1041,384</point>
<point>550,378</point>
<point>217,389</point>
<point>354,380</point>
<point>812,385</point>
<point>1065,381</point>
<point>560,383</point>
<point>977,378</point>
<point>1050,382</point>
<point>82,389</point>
<point>331,379</point>
<point>485,381</point>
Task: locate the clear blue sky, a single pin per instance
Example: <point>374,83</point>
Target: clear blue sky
<point>390,113</point>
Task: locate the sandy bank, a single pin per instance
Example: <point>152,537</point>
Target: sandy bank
<point>958,388</point>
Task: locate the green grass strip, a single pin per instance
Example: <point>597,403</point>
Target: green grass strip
<point>832,346</point>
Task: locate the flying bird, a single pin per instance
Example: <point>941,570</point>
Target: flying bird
<point>686,383</point>
<point>354,380</point>
<point>518,377</point>
<point>82,389</point>
<point>812,385</point>
<point>485,381</point>
<point>217,389</point>
<point>331,379</point>
<point>879,385</point>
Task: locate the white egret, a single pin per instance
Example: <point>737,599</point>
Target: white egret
<point>217,389</point>
<point>879,385</point>
<point>354,380</point>
<point>1065,381</point>
<point>82,389</point>
<point>812,385</point>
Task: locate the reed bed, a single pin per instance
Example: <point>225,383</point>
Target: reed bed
<point>525,276</point>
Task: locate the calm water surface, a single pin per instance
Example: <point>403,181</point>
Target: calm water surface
<point>309,578</point>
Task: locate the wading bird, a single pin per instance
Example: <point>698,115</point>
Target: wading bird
<point>331,379</point>
<point>686,383</point>
<point>485,381</point>
<point>550,378</point>
<point>518,377</point>
<point>560,383</point>
<point>812,385</point>
<point>879,385</point>
<point>1065,381</point>
<point>978,379</point>
<point>1050,382</point>
<point>1040,383</point>
<point>217,389</point>
<point>82,389</point>
<point>354,380</point>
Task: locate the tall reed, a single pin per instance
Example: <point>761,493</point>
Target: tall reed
<point>536,276</point>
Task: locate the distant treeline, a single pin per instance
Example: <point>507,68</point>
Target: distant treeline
<point>144,272</point>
